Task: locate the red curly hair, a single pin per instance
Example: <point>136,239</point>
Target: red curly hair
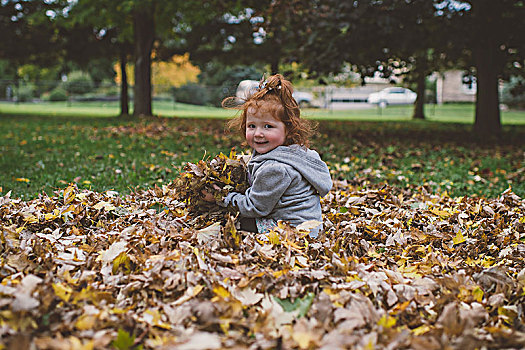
<point>274,96</point>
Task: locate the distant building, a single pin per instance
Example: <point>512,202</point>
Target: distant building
<point>455,86</point>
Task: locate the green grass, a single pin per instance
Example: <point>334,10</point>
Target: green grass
<point>42,153</point>
<point>439,156</point>
<point>450,113</point>
<point>109,109</point>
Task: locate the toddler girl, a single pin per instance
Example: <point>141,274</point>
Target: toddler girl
<point>286,178</point>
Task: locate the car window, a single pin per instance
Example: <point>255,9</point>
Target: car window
<point>397,91</point>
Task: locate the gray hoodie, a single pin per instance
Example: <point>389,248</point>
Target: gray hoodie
<point>285,185</point>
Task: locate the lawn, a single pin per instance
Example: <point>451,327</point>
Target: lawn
<point>450,113</point>
<point>42,153</point>
<point>109,109</point>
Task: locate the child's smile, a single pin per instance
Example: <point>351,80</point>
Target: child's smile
<point>264,132</point>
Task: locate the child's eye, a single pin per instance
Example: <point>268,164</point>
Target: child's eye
<point>268,126</point>
<point>251,126</point>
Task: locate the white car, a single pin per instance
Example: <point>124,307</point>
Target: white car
<point>248,87</point>
<point>392,96</point>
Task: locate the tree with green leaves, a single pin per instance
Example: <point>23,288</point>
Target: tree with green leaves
<point>389,37</point>
<point>108,21</point>
<point>157,30</point>
<point>29,32</point>
<point>248,33</point>
<point>484,36</point>
<point>487,38</point>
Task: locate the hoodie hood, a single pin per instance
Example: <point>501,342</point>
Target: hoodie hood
<point>306,161</point>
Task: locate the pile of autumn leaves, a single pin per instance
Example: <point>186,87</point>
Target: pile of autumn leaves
<point>394,269</point>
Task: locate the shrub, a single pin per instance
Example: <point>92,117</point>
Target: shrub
<point>78,83</point>
<point>192,93</point>
<point>25,92</point>
<point>223,80</point>
<point>57,94</point>
<point>109,89</point>
<point>513,93</point>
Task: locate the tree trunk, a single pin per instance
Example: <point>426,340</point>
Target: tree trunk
<point>487,121</point>
<point>488,65</point>
<point>124,98</point>
<point>144,36</point>
<point>421,75</point>
<point>419,107</point>
<point>274,66</point>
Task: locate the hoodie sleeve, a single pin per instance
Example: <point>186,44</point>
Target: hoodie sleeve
<point>269,184</point>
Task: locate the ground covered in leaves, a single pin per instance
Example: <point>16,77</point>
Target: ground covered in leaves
<point>396,268</point>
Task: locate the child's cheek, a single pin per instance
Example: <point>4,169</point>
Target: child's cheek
<point>249,136</point>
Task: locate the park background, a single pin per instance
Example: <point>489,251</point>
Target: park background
<point>104,103</point>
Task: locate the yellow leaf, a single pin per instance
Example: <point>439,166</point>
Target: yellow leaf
<point>225,326</point>
<point>122,259</point>
<point>477,208</point>
<point>302,339</point>
<point>231,231</point>
<point>338,304</point>
<point>62,291</point>
<point>154,318</point>
<point>386,321</point>
<point>52,216</point>
<point>103,204</point>
<point>279,273</point>
<point>114,250</point>
<point>31,219</point>
<point>77,344</point>
<point>421,330</point>
<point>441,213</point>
<point>459,238</point>
<point>330,292</point>
<point>85,322</point>
<point>69,194</point>
<point>477,293</point>
<point>373,254</point>
<point>400,307</point>
<point>508,313</point>
<point>221,291</point>
<point>84,294</point>
<point>273,237</point>
<point>68,210</point>
<point>410,271</point>
<point>117,311</point>
<point>226,179</point>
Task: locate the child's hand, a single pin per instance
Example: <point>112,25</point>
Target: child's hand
<point>208,197</point>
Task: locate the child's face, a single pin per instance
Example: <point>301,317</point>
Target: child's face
<point>263,131</point>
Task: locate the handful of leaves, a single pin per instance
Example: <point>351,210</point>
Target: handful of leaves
<point>218,176</point>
